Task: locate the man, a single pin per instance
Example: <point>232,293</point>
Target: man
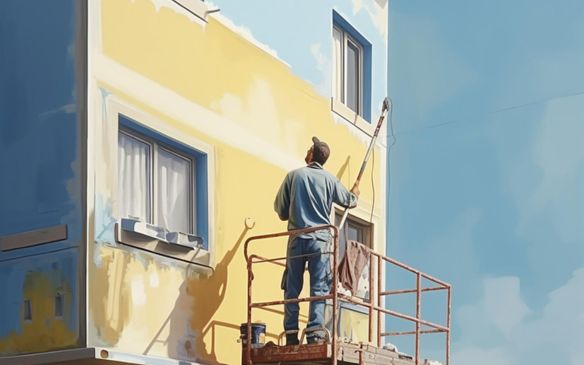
<point>305,200</point>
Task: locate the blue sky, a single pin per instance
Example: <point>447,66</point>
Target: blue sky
<point>487,169</point>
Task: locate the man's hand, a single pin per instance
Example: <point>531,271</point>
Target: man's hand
<point>355,190</point>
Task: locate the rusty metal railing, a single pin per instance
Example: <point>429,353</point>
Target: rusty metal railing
<point>374,303</point>
<point>333,295</point>
<point>418,321</point>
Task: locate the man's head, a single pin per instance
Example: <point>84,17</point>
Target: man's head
<point>318,152</point>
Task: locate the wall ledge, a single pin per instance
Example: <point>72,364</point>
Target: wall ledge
<point>33,238</point>
<point>89,356</point>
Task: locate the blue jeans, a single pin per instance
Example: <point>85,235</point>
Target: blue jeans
<point>320,280</point>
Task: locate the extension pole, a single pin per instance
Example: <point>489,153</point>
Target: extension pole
<point>384,110</point>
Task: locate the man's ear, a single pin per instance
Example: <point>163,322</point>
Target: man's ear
<point>308,158</point>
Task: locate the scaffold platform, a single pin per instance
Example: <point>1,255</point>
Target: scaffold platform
<point>347,354</point>
<point>337,350</point>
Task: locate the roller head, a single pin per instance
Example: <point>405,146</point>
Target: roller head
<point>386,104</point>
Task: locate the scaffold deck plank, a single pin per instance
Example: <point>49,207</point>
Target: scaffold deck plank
<point>347,354</point>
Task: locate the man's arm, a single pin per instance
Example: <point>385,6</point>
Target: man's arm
<point>282,201</point>
<point>344,197</point>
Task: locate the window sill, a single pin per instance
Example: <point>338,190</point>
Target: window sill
<point>175,245</point>
<point>184,240</point>
<point>351,117</point>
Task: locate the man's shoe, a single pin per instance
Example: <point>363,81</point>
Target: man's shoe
<point>292,340</point>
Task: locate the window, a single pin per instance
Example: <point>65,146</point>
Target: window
<point>355,229</point>
<point>156,183</point>
<point>348,74</point>
<point>27,310</point>
<point>59,305</point>
<point>351,67</point>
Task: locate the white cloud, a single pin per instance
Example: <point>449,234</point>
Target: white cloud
<point>377,11</point>
<point>323,64</point>
<point>557,152</point>
<point>552,335</point>
<point>542,164</point>
<point>500,310</point>
<point>479,356</point>
<point>357,5</point>
<point>503,303</point>
<point>315,50</point>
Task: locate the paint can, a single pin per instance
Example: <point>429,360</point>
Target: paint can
<point>258,334</point>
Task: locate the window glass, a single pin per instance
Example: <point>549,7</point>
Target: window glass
<point>352,93</point>
<point>59,305</point>
<point>27,310</point>
<point>354,233</point>
<point>134,178</point>
<point>360,231</point>
<point>352,230</point>
<point>173,192</point>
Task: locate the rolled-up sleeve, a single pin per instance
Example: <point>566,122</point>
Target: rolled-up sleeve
<point>282,201</point>
<point>343,197</point>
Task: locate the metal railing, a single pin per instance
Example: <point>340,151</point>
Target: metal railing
<point>373,304</point>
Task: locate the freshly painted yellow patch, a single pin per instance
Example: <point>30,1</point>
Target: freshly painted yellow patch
<point>44,332</point>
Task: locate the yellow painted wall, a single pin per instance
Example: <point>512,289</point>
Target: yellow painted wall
<point>138,302</point>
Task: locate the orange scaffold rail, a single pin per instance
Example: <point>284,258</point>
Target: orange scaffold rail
<point>374,304</point>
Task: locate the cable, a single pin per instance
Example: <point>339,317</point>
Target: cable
<point>394,139</point>
<point>496,111</point>
<point>393,142</point>
<point>372,185</point>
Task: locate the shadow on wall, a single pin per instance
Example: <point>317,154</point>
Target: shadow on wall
<point>344,168</point>
<point>211,291</point>
<point>183,330</point>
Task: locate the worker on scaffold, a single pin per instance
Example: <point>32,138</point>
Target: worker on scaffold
<point>305,200</point>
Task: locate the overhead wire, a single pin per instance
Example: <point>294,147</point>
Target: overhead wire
<point>391,144</point>
<point>393,141</point>
<point>496,111</point>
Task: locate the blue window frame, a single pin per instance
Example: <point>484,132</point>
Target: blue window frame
<point>155,154</point>
<point>352,67</point>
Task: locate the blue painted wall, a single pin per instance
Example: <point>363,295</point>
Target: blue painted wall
<point>40,158</point>
<point>307,45</point>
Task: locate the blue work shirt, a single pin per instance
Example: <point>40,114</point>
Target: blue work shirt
<point>306,197</point>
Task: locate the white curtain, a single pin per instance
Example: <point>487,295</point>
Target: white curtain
<point>174,200</point>
<point>337,64</point>
<point>134,178</point>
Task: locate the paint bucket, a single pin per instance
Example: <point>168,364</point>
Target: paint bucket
<point>258,334</point>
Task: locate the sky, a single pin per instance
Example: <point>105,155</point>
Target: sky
<point>487,170</point>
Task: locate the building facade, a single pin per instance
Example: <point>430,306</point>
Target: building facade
<point>144,140</point>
